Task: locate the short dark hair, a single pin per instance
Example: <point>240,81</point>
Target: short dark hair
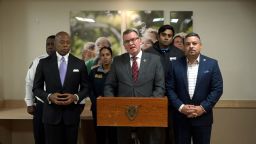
<point>192,34</point>
<point>51,37</point>
<point>130,30</point>
<point>108,48</point>
<point>165,27</point>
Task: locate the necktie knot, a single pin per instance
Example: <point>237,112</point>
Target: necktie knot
<point>62,59</point>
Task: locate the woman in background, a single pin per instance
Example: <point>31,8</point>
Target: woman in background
<point>104,135</point>
<point>178,40</point>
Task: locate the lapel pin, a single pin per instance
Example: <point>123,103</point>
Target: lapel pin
<point>144,60</point>
<point>204,59</point>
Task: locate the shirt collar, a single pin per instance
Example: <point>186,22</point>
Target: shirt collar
<point>100,69</point>
<point>196,61</point>
<point>138,56</point>
<point>60,56</point>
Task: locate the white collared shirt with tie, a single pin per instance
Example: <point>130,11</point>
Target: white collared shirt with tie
<point>138,59</point>
<point>59,58</point>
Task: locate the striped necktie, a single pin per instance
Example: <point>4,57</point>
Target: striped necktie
<point>135,69</point>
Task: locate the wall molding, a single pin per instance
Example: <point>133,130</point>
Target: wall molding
<point>12,103</point>
<point>240,104</point>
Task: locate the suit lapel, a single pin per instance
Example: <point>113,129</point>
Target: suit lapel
<point>143,61</point>
<point>201,69</point>
<point>127,65</point>
<point>53,65</point>
<point>69,69</point>
<point>183,71</point>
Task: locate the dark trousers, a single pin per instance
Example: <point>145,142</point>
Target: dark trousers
<point>169,132</point>
<point>185,132</point>
<point>104,135</point>
<point>81,107</point>
<point>38,126</point>
<point>61,133</point>
<point>146,135</point>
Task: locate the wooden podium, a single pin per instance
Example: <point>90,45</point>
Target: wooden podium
<point>132,111</point>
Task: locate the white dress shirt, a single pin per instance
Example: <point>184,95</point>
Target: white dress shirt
<point>59,58</point>
<point>192,71</point>
<point>29,98</point>
<point>138,56</point>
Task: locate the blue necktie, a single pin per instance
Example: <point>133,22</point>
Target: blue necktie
<point>62,70</point>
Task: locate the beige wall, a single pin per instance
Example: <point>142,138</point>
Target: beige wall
<point>227,29</point>
<point>1,55</point>
<point>234,126</point>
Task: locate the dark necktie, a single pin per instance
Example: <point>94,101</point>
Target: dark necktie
<point>135,69</point>
<point>62,70</point>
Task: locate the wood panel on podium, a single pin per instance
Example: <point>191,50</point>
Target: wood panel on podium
<point>132,111</point>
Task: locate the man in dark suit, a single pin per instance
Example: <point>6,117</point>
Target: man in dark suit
<point>194,85</point>
<point>168,52</point>
<point>66,82</point>
<point>133,74</point>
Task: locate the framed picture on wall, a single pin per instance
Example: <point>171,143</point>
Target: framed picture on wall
<point>87,26</point>
<point>181,21</point>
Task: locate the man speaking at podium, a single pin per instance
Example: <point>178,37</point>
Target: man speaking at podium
<point>135,74</point>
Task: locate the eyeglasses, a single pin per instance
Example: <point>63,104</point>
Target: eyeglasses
<point>126,42</point>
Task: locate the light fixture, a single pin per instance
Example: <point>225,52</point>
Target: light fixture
<point>174,20</point>
<point>158,19</point>
<point>187,21</point>
<point>85,19</point>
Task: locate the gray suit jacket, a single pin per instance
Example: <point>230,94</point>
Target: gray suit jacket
<point>150,81</point>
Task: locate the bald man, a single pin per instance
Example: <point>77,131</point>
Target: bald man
<point>66,81</point>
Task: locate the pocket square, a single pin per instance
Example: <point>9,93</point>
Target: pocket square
<point>75,70</point>
<point>172,58</point>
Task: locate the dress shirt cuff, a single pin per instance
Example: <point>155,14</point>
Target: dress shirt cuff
<point>49,99</point>
<point>180,108</point>
<point>203,108</point>
<point>29,102</point>
<point>77,98</point>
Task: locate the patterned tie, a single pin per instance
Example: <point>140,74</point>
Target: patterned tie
<point>63,70</point>
<point>135,69</point>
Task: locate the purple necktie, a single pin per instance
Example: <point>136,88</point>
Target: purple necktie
<point>63,70</point>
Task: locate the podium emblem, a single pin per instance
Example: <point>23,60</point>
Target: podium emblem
<point>131,112</point>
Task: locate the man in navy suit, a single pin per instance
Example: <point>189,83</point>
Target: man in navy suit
<point>66,84</point>
<point>194,85</point>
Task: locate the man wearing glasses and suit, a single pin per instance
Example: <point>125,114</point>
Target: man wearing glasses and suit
<point>135,74</point>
